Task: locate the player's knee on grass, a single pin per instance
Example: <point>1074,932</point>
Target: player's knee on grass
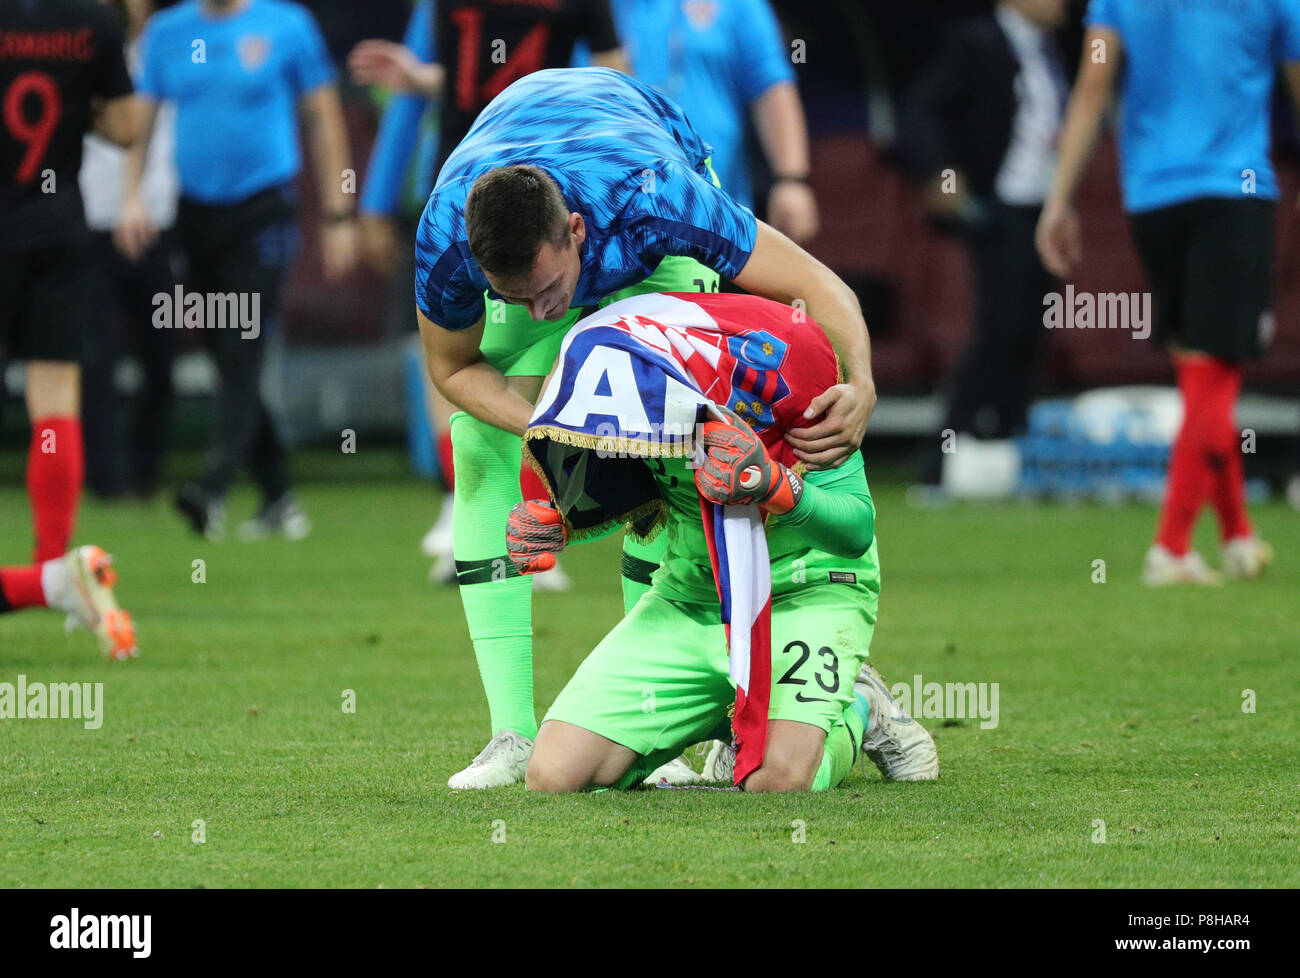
<point>790,762</point>
<point>552,776</point>
<point>568,758</point>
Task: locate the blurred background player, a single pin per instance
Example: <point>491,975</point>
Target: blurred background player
<point>537,214</point>
<point>239,73</point>
<point>481,46</point>
<point>984,119</point>
<point>1195,81</point>
<point>62,73</point>
<point>125,456</point>
<point>726,64</point>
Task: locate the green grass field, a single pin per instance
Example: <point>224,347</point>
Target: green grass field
<point>1116,704</point>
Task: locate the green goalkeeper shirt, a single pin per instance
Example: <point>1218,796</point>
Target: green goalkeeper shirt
<point>827,539</point>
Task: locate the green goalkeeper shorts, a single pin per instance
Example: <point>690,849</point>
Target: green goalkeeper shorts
<point>659,680</point>
<point>520,346</point>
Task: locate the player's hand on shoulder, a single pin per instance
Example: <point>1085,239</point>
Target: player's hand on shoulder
<point>534,535</point>
<point>844,411</point>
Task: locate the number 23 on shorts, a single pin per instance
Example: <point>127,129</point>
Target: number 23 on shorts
<point>825,673</point>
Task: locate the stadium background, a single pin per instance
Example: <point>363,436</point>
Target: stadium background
<point>345,340</point>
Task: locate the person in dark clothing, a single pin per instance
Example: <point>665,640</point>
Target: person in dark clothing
<point>237,101</point>
<point>125,442</point>
<point>62,74</point>
<point>981,125</point>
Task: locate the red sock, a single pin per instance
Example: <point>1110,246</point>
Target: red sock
<point>20,587</point>
<point>1228,493</point>
<point>446,466</point>
<point>531,483</point>
<point>1203,451</point>
<point>55,467</point>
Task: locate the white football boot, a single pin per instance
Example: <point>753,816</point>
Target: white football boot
<point>437,545</point>
<point>720,765</point>
<point>1162,568</point>
<point>82,582</point>
<point>900,747</point>
<point>283,517</point>
<point>676,772</point>
<point>1245,558</point>
<point>502,762</point>
<point>438,539</point>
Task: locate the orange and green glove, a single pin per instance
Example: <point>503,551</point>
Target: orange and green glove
<point>534,535</point>
<point>737,468</point>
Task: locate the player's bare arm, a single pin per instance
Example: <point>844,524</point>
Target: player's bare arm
<point>322,116</point>
<point>119,120</point>
<point>460,373</point>
<point>135,231</point>
<point>779,269</point>
<point>783,132</point>
<point>395,66</point>
<point>1058,238</point>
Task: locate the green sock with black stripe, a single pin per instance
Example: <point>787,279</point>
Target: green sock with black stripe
<point>498,601</point>
<point>841,751</point>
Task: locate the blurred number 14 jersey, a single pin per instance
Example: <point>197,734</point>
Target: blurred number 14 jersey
<point>55,56</point>
<point>484,45</point>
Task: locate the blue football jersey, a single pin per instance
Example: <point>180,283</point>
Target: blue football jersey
<point>1197,79</point>
<point>624,157</point>
<point>237,81</point>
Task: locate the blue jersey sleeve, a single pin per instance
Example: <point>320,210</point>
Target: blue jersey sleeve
<point>311,66</point>
<point>1102,13</point>
<point>687,215</point>
<point>400,127</point>
<point>762,58</point>
<point>449,286</point>
<point>1288,31</point>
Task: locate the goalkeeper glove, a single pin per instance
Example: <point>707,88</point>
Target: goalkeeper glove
<point>534,535</point>
<point>738,470</point>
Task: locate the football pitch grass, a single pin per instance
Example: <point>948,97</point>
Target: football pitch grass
<point>1120,719</point>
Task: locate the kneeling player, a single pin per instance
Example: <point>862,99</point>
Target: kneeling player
<point>659,681</point>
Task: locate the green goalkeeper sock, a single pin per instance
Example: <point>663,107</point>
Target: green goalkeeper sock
<point>841,750</point>
<point>498,601</point>
<point>640,560</point>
